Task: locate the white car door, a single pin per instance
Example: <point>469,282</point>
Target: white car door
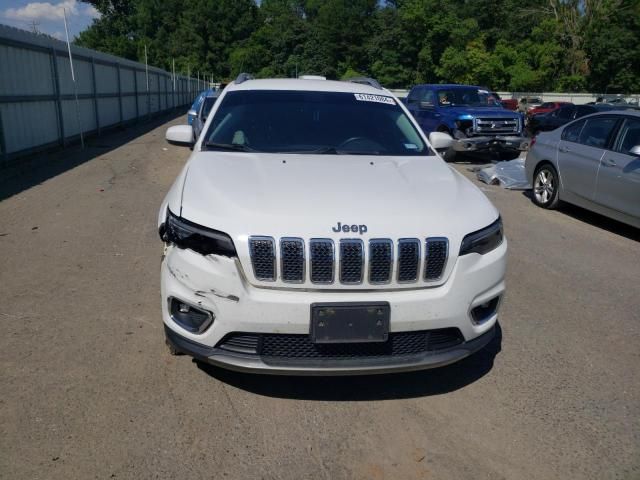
<point>619,176</point>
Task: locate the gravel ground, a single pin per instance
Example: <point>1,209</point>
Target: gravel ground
<point>89,390</point>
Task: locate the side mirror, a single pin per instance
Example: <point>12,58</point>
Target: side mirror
<point>180,134</point>
<point>426,105</point>
<point>440,140</point>
<point>192,113</point>
<point>635,151</point>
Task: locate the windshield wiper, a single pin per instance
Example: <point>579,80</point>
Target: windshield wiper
<point>335,151</point>
<point>228,146</point>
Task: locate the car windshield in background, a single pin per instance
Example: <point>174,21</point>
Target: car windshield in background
<point>274,121</point>
<point>471,97</point>
<point>208,103</point>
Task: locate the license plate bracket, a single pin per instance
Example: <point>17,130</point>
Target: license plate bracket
<point>350,322</point>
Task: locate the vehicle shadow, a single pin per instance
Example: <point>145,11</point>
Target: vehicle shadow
<point>594,219</point>
<point>26,172</point>
<point>423,383</point>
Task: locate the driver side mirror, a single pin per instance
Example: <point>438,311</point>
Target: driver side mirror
<point>426,105</point>
<point>440,140</point>
<point>192,113</point>
<point>180,135</point>
<point>635,151</point>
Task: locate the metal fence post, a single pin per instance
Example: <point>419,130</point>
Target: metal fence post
<point>56,86</point>
<point>135,84</point>
<point>3,144</point>
<point>119,92</point>
<point>95,94</point>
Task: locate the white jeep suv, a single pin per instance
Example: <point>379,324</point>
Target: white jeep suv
<point>314,231</point>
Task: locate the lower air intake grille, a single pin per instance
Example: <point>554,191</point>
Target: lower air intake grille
<point>435,258</point>
<point>351,261</point>
<point>262,250</point>
<point>286,346</point>
<point>241,343</point>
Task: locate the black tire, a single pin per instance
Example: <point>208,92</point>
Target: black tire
<point>172,350</point>
<point>450,155</point>
<point>545,186</point>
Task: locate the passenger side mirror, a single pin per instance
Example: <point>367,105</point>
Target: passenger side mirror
<point>426,105</point>
<point>180,135</point>
<point>635,151</point>
<point>440,140</point>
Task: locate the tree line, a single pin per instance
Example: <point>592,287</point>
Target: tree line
<point>515,45</point>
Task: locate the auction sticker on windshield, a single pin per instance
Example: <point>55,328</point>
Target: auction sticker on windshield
<point>365,97</point>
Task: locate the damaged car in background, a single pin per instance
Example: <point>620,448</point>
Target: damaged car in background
<point>474,118</point>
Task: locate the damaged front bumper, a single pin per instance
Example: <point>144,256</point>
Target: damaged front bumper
<point>493,143</point>
<point>217,285</point>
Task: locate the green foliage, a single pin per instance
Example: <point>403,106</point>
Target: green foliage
<point>518,45</point>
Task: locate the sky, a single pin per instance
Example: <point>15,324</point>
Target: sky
<point>47,17</point>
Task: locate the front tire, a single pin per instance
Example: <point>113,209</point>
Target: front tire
<point>545,186</point>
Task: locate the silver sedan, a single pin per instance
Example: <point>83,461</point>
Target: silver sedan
<point>593,162</point>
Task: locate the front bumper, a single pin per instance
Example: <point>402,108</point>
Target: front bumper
<point>255,364</point>
<point>497,143</point>
<point>217,284</point>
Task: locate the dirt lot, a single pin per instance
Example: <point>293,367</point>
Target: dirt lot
<point>89,390</point>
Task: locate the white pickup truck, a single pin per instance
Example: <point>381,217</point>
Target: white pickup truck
<point>314,230</point>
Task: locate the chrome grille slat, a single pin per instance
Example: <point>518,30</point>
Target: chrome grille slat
<point>408,259</point>
<point>380,260</point>
<point>263,257</point>
<point>292,260</point>
<point>435,258</point>
<point>322,260</point>
<point>351,261</point>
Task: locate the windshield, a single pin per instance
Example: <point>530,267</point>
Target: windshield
<point>471,97</point>
<point>275,121</point>
<point>206,107</point>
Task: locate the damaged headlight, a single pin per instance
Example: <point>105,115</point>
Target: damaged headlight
<point>185,234</point>
<point>483,241</point>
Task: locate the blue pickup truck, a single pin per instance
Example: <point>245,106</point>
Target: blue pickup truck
<point>472,115</point>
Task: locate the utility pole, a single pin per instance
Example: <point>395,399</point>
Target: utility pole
<point>34,26</point>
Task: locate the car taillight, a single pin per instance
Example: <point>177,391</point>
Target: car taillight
<point>532,142</point>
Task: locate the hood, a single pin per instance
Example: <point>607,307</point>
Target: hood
<point>307,195</point>
<point>497,112</point>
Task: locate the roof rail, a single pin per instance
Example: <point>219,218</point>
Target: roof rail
<point>243,77</point>
<point>372,82</point>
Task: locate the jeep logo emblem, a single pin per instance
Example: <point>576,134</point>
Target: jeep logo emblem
<point>350,228</point>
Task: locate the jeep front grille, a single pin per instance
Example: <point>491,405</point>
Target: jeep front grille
<point>263,257</point>
<point>322,260</point>
<point>435,258</point>
<point>380,261</point>
<point>408,259</point>
<point>496,126</point>
<point>351,261</point>
<point>292,259</point>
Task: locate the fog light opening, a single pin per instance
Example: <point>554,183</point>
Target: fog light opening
<point>485,311</point>
<point>189,317</point>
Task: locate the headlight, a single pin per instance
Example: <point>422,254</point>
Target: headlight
<point>484,240</point>
<point>185,234</point>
